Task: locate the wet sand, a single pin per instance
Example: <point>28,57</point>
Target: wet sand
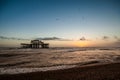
<point>92,72</point>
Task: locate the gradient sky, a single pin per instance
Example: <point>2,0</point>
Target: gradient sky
<point>81,22</point>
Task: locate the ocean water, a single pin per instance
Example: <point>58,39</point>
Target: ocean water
<point>15,61</point>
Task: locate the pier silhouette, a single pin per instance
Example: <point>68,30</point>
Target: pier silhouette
<point>35,44</point>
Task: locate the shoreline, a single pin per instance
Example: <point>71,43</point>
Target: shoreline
<point>88,72</point>
<point>21,70</point>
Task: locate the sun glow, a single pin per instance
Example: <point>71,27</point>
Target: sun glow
<point>70,43</point>
<point>81,43</point>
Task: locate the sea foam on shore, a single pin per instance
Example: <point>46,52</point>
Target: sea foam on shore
<point>27,70</point>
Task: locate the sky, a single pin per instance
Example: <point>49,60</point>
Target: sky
<point>67,23</point>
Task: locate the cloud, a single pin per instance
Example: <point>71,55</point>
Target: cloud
<point>48,38</point>
<point>105,37</point>
<point>117,38</point>
<point>83,39</point>
<point>12,38</point>
<point>57,19</point>
<point>3,37</point>
<point>117,42</point>
<point>45,38</point>
<point>53,38</point>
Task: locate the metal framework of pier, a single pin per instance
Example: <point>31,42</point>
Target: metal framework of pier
<point>35,44</point>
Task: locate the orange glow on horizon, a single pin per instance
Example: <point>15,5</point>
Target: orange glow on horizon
<point>81,43</point>
<point>70,43</point>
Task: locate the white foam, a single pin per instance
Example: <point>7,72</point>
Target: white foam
<point>28,70</point>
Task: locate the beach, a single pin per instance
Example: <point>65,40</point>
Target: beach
<point>94,72</point>
<point>60,64</point>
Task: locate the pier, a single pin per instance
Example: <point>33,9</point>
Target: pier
<point>35,44</point>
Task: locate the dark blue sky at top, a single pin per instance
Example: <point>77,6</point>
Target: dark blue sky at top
<point>62,18</point>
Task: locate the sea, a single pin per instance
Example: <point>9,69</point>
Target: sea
<point>19,60</point>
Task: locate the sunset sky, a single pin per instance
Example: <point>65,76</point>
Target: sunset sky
<point>67,23</point>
